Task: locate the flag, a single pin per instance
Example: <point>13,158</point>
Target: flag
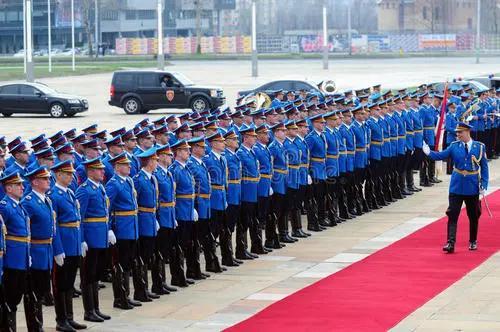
<point>442,114</point>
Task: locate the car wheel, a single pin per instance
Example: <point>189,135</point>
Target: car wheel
<point>132,106</point>
<point>199,104</point>
<point>6,114</point>
<point>56,110</point>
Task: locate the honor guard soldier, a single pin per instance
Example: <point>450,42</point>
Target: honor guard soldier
<point>469,179</point>
<point>123,221</point>
<point>332,167</point>
<point>20,154</point>
<point>16,141</point>
<point>2,170</point>
<point>395,152</point>
<point>39,210</point>
<point>199,229</point>
<point>146,186</point>
<point>360,155</point>
<point>316,142</point>
<point>166,241</point>
<point>428,113</point>
<point>418,139</point>
<point>249,182</point>
<point>375,156</point>
<point>68,234</point>
<point>16,260</point>
<point>130,143</point>
<point>66,153</point>
<point>403,147</point>
<point>386,153</point>
<point>114,148</point>
<point>353,204</point>
<point>292,201</point>
<point>185,213</point>
<point>218,170</point>
<point>94,211</point>
<point>300,142</point>
<point>79,156</point>
<point>233,199</point>
<point>92,151</point>
<point>265,217</point>
<point>279,185</point>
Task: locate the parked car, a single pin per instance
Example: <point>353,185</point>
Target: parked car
<point>490,81</point>
<point>37,98</point>
<point>439,86</point>
<point>290,85</point>
<point>141,91</point>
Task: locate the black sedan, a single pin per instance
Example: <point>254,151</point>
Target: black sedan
<point>286,85</point>
<point>37,98</point>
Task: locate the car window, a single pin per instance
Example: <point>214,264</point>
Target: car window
<point>148,81</point>
<point>285,85</point>
<point>27,90</point>
<point>301,85</point>
<point>9,90</point>
<point>124,80</point>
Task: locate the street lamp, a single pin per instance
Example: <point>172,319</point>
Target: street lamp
<point>254,40</point>
<point>73,35</point>
<point>28,50</point>
<point>49,29</point>
<point>325,37</point>
<point>478,30</point>
<point>160,58</point>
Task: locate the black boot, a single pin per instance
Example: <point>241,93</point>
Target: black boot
<point>119,292</point>
<point>47,299</point>
<point>163,274</point>
<point>156,276</point>
<point>126,281</point>
<point>69,312</point>
<point>176,265</point>
<point>212,263</point>
<point>226,248</point>
<point>88,304</point>
<point>10,320</point>
<point>61,316</point>
<point>95,292</point>
<point>32,306</point>
<point>404,190</point>
<point>140,285</point>
<point>146,280</point>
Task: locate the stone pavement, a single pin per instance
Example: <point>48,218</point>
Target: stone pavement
<point>471,304</point>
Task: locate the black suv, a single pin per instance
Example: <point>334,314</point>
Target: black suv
<point>141,91</point>
<point>37,98</point>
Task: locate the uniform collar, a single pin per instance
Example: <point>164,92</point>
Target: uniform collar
<point>149,175</point>
<point>13,199</point>
<point>180,163</point>
<point>163,168</point>
<point>94,183</point>
<point>40,195</point>
<point>199,161</point>
<point>65,189</point>
<point>216,154</point>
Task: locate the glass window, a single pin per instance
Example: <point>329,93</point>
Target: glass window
<point>146,14</point>
<point>130,15</point>
<point>27,90</point>
<point>302,85</point>
<point>124,80</point>
<point>148,81</point>
<point>9,90</point>
<point>12,16</point>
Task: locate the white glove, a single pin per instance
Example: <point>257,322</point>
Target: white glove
<point>85,248</point>
<point>59,259</point>
<point>111,237</point>
<point>309,179</point>
<point>195,214</point>
<point>175,223</point>
<point>157,226</point>
<point>271,192</point>
<point>29,261</point>
<point>426,149</point>
<point>482,191</point>
<point>470,118</point>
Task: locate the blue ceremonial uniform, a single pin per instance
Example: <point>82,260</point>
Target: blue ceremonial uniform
<point>418,128</point>
<point>16,221</point>
<point>393,130</point>
<point>81,174</point>
<point>166,186</point>
<point>450,125</point>
<point>249,174</point>
<point>184,191</point>
<point>401,133</point>
<point>316,143</point>
<point>147,200</point>
<point>332,153</point>
<point>376,138</point>
<point>42,228</point>
<point>78,159</point>
<point>350,146</point>
<point>280,169</point>
<point>234,177</point>
<point>217,168</point>
<point>94,205</point>
<point>304,160</point>
<point>293,155</point>
<point>361,155</point>
<point>123,207</point>
<point>203,189</point>
<point>408,123</point>
<point>468,174</point>
<point>135,165</point>
<point>265,168</point>
<point>68,231</point>
<point>428,116</point>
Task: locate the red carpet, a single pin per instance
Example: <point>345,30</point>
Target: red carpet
<point>378,292</point>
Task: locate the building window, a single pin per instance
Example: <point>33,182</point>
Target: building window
<point>130,15</point>
<point>12,16</point>
<point>2,16</point>
<point>146,14</point>
<point>436,13</point>
<point>109,15</point>
<point>424,12</point>
<point>469,23</point>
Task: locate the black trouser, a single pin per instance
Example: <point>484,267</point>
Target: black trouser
<point>331,198</point>
<point>15,283</point>
<point>168,245</point>
<point>188,240</point>
<point>63,277</point>
<point>147,248</point>
<point>38,285</point>
<point>232,216</point>
<point>289,207</point>
<point>473,208</point>
<point>278,204</point>
<point>125,252</point>
<point>93,265</point>
<point>297,207</point>
<point>243,224</point>
<point>319,193</point>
